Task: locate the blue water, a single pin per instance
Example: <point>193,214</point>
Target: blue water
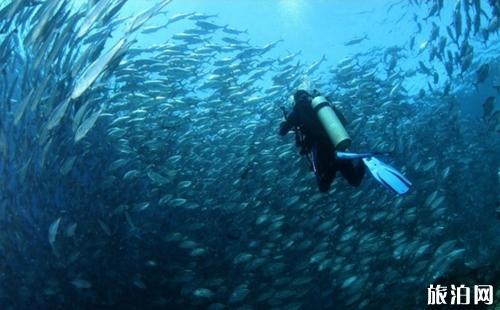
<point>212,209</point>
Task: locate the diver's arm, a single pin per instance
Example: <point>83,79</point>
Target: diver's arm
<point>288,124</point>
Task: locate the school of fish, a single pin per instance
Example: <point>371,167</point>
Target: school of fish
<point>153,177</point>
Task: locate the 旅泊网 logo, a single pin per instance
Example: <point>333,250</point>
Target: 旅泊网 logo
<point>459,295</point>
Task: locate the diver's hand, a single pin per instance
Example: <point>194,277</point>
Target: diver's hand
<point>288,124</point>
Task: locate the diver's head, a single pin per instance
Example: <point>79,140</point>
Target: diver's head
<point>302,96</point>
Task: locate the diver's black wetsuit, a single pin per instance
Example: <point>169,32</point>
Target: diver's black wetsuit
<point>315,141</point>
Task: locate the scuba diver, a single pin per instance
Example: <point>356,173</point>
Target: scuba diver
<point>322,138</point>
<point>315,143</point>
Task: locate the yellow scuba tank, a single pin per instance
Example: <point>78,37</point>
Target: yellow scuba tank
<point>331,123</point>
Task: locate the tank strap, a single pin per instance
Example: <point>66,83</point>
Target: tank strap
<point>319,106</point>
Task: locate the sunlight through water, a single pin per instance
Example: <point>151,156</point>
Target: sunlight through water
<point>292,11</point>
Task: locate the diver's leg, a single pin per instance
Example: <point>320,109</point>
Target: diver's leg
<point>326,181</point>
<point>325,170</point>
<point>352,170</point>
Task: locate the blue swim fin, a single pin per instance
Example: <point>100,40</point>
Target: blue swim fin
<point>386,175</point>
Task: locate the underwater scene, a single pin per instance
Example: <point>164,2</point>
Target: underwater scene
<point>249,154</point>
